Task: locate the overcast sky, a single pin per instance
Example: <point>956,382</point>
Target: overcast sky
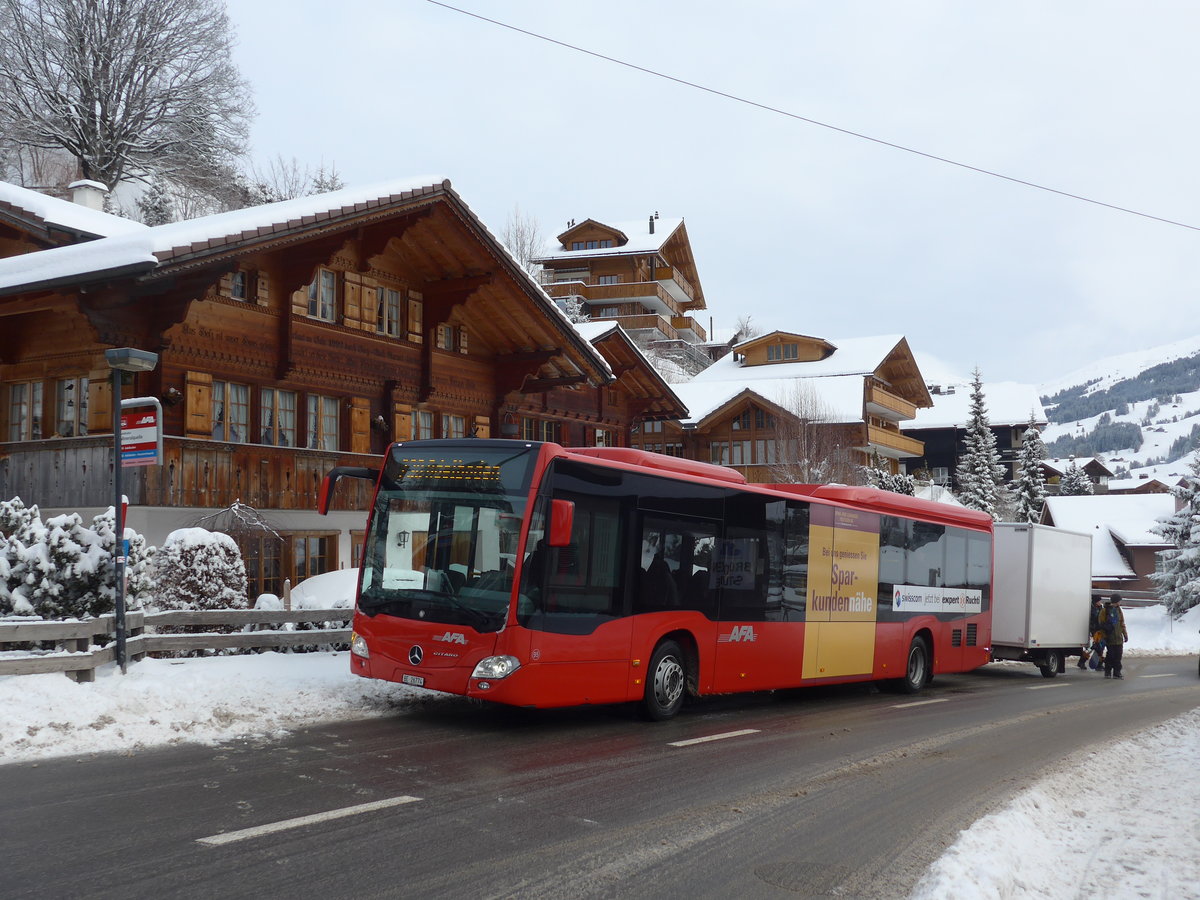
<point>802,227</point>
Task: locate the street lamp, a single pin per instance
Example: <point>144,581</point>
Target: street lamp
<point>122,359</point>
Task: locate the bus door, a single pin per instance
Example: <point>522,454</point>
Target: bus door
<point>573,604</point>
<point>673,575</point>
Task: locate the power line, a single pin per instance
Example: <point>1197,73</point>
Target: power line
<point>791,115</point>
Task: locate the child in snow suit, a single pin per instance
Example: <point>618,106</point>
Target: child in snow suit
<point>1112,623</point>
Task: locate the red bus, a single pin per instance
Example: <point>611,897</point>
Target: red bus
<point>535,575</point>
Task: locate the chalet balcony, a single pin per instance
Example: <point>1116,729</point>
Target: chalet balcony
<point>886,405</point>
<point>685,324</point>
<point>892,443</point>
<point>676,285</point>
<point>76,473</point>
<point>650,294</point>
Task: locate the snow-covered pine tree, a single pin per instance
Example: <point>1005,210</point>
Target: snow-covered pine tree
<point>1177,581</point>
<point>1074,481</point>
<point>199,569</point>
<point>878,476</point>
<point>139,571</point>
<point>1029,488</point>
<point>21,530</point>
<point>155,204</point>
<point>69,569</point>
<point>979,475</point>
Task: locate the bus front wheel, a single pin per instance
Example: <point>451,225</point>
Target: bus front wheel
<point>916,672</point>
<point>665,682</point>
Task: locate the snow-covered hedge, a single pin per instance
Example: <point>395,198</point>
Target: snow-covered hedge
<point>63,568</point>
<point>199,569</point>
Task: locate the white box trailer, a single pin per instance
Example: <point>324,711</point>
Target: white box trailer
<point>1041,594</point>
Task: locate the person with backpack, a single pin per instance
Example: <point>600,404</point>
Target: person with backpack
<point>1094,651</point>
<point>1112,623</point>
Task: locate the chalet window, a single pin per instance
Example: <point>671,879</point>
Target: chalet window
<point>741,422</point>
<point>673,449</point>
<point>422,425</point>
<point>239,285</point>
<point>322,296</point>
<point>609,279</point>
<point>388,320</point>
<point>450,337</point>
<point>25,411</point>
<point>292,556</point>
<point>652,427</point>
<point>604,438</point>
<point>777,352</point>
<point>230,412</point>
<point>720,452</point>
<point>541,430</point>
<point>590,245</point>
<point>71,405</point>
<point>454,426</point>
<point>739,453</point>
<point>322,423</point>
<point>278,414</point>
<point>608,312</point>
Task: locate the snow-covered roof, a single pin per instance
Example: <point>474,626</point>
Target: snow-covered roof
<point>1006,402</point>
<point>853,356</point>
<point>1061,464</point>
<point>638,232</point>
<point>146,247</point>
<point>836,399</point>
<point>1109,519</point>
<point>937,493</point>
<point>64,214</point>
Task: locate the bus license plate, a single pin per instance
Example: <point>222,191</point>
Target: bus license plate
<point>413,679</point>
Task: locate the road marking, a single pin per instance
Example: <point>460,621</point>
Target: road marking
<point>713,737</point>
<point>920,703</point>
<point>1042,687</point>
<point>1163,675</point>
<point>230,837</point>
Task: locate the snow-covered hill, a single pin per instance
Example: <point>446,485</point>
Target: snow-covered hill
<point>1138,411</point>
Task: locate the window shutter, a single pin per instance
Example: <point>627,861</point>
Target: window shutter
<point>462,340</point>
<point>99,401</point>
<point>198,409</point>
<point>416,317</point>
<point>262,288</point>
<point>360,425</point>
<point>402,417</point>
<point>352,292</point>
<point>483,427</point>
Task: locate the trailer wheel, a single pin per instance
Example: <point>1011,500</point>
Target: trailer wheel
<point>916,673</point>
<point>1049,663</point>
<point>666,678</point>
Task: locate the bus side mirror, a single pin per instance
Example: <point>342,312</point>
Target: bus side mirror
<point>562,521</point>
<point>331,478</point>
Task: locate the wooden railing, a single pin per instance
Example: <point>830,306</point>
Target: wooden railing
<point>80,647</point>
<point>886,400</point>
<point>894,440</point>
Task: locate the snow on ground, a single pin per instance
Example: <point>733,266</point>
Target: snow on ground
<point>1146,823</point>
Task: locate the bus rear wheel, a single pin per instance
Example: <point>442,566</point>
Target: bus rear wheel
<point>666,679</point>
<point>916,671</point>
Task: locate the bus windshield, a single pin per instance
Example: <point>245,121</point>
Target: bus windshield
<point>444,532</point>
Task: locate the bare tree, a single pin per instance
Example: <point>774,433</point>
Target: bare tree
<point>522,235</point>
<point>746,329</point>
<point>811,447</point>
<point>129,88</point>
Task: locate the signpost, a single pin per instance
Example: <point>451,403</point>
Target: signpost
<point>121,360</point>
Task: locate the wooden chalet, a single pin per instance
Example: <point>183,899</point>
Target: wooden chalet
<point>292,337</point>
<point>640,274</point>
<point>753,408</point>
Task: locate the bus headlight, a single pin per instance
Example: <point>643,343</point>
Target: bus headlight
<point>358,645</point>
<point>496,667</point>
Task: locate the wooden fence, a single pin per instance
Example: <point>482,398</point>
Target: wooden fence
<point>80,647</point>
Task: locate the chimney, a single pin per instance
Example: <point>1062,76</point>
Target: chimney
<point>652,224</point>
<point>88,193</point>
